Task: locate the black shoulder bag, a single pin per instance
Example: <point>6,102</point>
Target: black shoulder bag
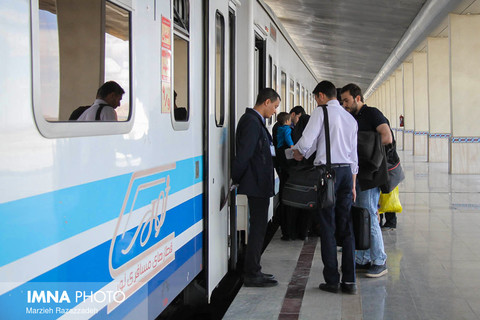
<point>395,171</point>
<point>311,187</point>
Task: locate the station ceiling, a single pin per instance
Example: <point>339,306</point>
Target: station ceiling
<point>346,40</point>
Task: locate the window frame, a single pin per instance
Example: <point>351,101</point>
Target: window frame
<point>184,34</point>
<point>65,128</point>
<point>291,93</point>
<point>219,123</point>
<point>284,88</point>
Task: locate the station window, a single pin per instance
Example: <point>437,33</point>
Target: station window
<point>181,52</point>
<point>219,70</point>
<point>284,91</point>
<point>76,57</point>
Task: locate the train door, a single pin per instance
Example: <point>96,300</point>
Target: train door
<point>260,58</point>
<point>232,94</point>
<point>217,141</point>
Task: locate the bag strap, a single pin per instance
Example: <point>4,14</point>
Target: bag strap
<point>99,111</point>
<point>327,136</point>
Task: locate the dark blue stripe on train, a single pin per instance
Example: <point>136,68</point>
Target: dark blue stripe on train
<point>14,305</point>
<point>89,271</point>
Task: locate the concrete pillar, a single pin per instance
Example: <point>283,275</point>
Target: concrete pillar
<point>384,97</point>
<point>420,97</point>
<point>386,108</point>
<point>393,102</point>
<point>399,103</point>
<point>438,99</point>
<point>409,120</point>
<point>380,98</point>
<point>464,86</point>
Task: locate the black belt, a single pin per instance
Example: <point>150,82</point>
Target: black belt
<point>340,165</point>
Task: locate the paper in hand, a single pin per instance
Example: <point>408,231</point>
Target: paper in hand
<point>289,153</point>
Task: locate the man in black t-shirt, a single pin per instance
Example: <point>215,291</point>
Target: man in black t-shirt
<point>373,261</point>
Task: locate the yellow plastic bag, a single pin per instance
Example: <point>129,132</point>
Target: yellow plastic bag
<point>390,202</point>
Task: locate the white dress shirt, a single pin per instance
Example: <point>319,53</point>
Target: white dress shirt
<point>343,137</point>
<point>107,113</point>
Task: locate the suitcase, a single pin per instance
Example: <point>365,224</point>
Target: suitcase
<point>361,227</point>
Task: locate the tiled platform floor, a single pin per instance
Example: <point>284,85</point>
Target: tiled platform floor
<point>433,260</point>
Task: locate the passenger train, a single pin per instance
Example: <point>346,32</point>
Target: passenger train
<point>113,220</point>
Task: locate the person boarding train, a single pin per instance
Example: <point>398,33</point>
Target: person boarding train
<point>253,173</point>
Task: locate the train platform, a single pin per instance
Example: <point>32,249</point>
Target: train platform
<point>433,260</point>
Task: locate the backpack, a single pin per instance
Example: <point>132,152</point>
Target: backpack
<point>78,112</point>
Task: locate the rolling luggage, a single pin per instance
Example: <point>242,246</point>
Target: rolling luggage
<point>361,227</point>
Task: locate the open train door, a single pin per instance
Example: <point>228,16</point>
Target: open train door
<point>217,140</point>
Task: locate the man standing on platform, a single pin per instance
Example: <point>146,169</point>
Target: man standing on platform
<point>337,219</point>
<point>372,261</point>
<point>253,172</point>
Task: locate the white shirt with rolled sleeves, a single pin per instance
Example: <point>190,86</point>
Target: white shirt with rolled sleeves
<point>107,114</point>
<point>343,136</point>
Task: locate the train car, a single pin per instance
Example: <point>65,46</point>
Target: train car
<point>114,219</point>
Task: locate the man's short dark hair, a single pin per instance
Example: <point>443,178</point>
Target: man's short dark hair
<point>297,110</point>
<point>353,89</point>
<point>109,87</point>
<point>265,94</point>
<point>283,117</point>
<point>327,88</point>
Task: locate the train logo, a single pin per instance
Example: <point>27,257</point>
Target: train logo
<point>139,249</point>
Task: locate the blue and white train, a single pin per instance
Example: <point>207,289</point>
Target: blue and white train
<point>113,220</point>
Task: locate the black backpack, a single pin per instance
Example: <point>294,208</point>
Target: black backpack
<point>78,112</point>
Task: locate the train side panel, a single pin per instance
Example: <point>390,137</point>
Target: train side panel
<point>105,226</point>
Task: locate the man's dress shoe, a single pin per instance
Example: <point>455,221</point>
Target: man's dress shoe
<point>350,288</point>
<point>329,287</point>
<point>259,281</point>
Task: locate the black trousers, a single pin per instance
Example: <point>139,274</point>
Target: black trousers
<point>338,220</point>
<point>258,227</point>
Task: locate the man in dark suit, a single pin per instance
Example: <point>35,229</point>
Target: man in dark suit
<point>253,172</point>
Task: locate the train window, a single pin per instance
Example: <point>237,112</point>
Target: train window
<point>77,49</point>
<point>297,93</point>
<point>292,94</point>
<point>302,97</point>
<point>117,55</point>
<point>307,101</point>
<point>181,58</point>
<point>274,79</point>
<point>181,79</point>
<point>219,70</point>
<point>270,65</point>
<point>284,91</point>
<point>181,10</point>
